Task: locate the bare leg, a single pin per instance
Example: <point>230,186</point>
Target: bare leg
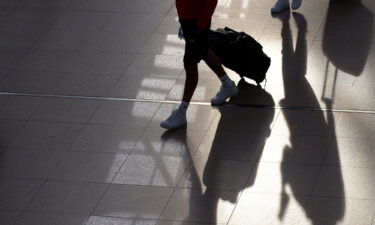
<point>191,81</point>
<point>228,87</point>
<point>214,63</point>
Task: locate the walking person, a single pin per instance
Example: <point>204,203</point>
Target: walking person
<point>282,5</point>
<point>195,19</point>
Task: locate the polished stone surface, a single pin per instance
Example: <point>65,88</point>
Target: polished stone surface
<point>84,85</point>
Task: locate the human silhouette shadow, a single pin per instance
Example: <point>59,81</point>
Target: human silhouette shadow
<point>236,146</point>
<point>296,84</point>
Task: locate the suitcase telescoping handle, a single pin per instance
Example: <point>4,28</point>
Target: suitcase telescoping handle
<point>333,90</point>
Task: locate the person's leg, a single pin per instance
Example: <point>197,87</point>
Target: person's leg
<point>178,117</point>
<point>214,63</point>
<point>191,81</point>
<point>228,88</point>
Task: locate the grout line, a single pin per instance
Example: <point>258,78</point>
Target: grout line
<point>192,103</point>
<point>37,191</point>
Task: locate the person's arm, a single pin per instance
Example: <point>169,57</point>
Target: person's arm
<point>207,12</point>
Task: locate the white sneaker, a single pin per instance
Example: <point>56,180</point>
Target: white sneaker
<point>175,120</point>
<point>280,6</point>
<point>296,4</point>
<point>224,93</point>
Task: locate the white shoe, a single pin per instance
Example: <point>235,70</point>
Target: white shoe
<point>175,120</point>
<point>296,4</point>
<point>280,6</point>
<point>224,93</point>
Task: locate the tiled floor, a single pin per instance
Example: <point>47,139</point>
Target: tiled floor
<point>84,85</point>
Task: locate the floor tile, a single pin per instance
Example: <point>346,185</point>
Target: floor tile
<point>216,174</point>
<point>170,222</point>
<point>9,217</point>
<point>9,3</point>
<point>327,58</point>
<point>151,65</point>
<point>4,12</point>
<point>86,5</point>
<point>3,72</point>
<point>65,40</point>
<point>206,89</point>
<point>314,10</point>
<point>60,165</point>
<point>65,110</point>
<point>228,145</point>
<point>294,27</point>
<point>97,220</point>
<point>88,167</point>
<point>30,163</point>
<point>285,158</point>
<point>18,107</point>
<point>195,206</point>
<point>86,84</point>
<point>345,182</point>
<point>257,208</point>
<point>152,170</point>
<point>82,20</point>
<point>28,19</point>
<point>114,41</point>
<point>149,88</point>
<point>347,211</point>
<point>16,194</point>
<point>160,142</point>
<point>283,178</point>
<point>143,6</point>
<point>147,6</point>
<point>65,197</point>
<point>29,218</point>
<point>296,149</point>
<point>133,22</point>
<point>292,122</point>
<point>55,4</point>
<point>164,44</point>
<point>104,41</point>
<point>19,39</point>
<point>255,120</point>
<point>169,25</point>
<point>133,201</point>
<point>30,82</point>
<point>356,125</point>
<point>8,130</point>
<point>125,113</point>
<point>76,61</point>
<point>107,138</point>
<point>9,57</point>
<point>47,135</point>
<point>351,152</point>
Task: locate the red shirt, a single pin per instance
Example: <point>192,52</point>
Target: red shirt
<point>196,9</point>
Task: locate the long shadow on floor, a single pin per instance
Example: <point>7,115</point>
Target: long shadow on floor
<point>222,165</point>
<point>296,85</point>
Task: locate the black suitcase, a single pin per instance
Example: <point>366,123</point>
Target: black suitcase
<point>239,52</point>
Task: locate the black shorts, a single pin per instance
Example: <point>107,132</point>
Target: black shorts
<point>196,46</point>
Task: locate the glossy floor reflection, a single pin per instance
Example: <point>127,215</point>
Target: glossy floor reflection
<point>85,83</point>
